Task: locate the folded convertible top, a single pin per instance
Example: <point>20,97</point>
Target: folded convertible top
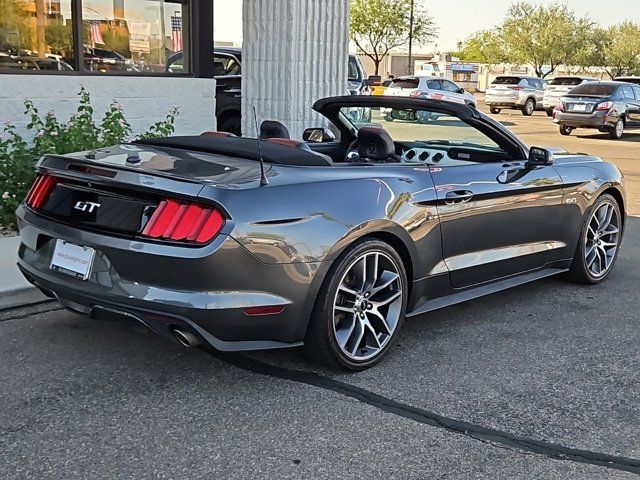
<point>242,148</point>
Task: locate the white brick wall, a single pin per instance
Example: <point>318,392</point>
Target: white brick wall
<point>145,99</point>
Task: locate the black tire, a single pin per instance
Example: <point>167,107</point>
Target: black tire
<point>320,342</point>
<point>579,272</point>
<point>549,112</point>
<point>231,123</point>
<point>529,107</point>
<point>565,130</point>
<point>617,131</point>
<point>495,110</point>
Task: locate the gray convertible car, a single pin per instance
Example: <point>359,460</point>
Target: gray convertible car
<point>241,244</point>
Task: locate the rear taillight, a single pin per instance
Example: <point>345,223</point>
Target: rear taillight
<point>179,221</point>
<point>559,107</point>
<point>415,93</point>
<point>517,87</point>
<point>40,191</point>
<point>605,106</point>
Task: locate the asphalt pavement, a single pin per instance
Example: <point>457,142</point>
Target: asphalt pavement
<point>538,382</point>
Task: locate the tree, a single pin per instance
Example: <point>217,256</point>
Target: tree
<point>544,35</point>
<point>378,26</point>
<point>619,53</point>
<point>483,47</point>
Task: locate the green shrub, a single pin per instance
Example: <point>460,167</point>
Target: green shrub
<point>81,132</point>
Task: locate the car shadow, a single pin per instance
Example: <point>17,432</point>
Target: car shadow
<point>633,136</point>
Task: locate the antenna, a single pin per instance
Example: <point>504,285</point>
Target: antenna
<point>263,177</point>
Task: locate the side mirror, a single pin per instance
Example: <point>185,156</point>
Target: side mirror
<point>461,90</point>
<point>318,135</point>
<point>539,157</point>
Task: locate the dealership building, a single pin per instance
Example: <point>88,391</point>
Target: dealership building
<point>294,51</point>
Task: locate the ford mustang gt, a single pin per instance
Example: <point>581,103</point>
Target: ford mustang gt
<point>403,206</point>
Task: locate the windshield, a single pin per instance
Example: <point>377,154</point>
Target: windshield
<point>595,89</point>
<point>566,81</point>
<point>418,126</point>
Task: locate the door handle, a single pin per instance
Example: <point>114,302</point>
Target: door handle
<point>458,196</point>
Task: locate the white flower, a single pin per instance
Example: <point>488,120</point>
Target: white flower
<point>54,134</point>
<point>41,133</point>
<point>5,195</point>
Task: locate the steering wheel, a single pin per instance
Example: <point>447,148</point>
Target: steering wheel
<point>351,150</point>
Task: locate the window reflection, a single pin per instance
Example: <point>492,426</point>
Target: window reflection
<point>36,35</point>
<point>132,35</point>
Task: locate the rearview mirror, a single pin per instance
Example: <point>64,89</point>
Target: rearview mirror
<point>407,115</point>
<point>318,135</point>
<point>539,156</point>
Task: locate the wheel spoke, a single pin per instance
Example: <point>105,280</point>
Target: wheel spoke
<point>610,230</point>
<point>346,289</point>
<point>386,299</point>
<point>380,319</point>
<point>607,218</point>
<point>341,308</point>
<point>344,334</point>
<point>386,279</point>
<point>374,334</point>
<point>353,348</point>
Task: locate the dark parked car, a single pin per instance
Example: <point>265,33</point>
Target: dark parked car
<point>607,106</point>
<point>227,71</point>
<point>331,244</point>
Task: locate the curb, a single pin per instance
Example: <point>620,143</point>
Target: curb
<point>21,297</point>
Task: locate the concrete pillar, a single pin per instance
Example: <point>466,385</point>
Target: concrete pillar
<point>293,53</point>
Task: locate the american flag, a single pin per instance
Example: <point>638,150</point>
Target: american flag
<point>95,37</point>
<point>176,33</point>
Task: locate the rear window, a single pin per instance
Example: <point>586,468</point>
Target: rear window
<point>405,83</point>
<point>354,72</point>
<point>595,89</point>
<point>566,81</point>
<point>506,81</point>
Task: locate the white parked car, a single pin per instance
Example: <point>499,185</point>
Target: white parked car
<point>558,88</point>
<point>430,87</point>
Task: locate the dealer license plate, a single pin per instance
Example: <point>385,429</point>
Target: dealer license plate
<point>71,259</point>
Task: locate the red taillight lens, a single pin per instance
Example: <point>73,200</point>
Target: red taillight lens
<point>605,106</point>
<point>517,88</point>
<point>415,93</point>
<point>40,191</point>
<point>178,221</point>
<point>559,107</point>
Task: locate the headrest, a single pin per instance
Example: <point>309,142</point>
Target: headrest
<point>217,134</point>
<point>375,143</point>
<point>273,129</point>
<point>218,68</point>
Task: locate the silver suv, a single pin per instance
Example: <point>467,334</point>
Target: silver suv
<point>559,87</point>
<point>515,91</point>
<point>430,87</point>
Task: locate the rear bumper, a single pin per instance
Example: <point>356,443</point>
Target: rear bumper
<point>577,120</point>
<point>503,101</point>
<point>204,290</point>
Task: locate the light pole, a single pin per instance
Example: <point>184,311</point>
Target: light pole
<point>410,61</point>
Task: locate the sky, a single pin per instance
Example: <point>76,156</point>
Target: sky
<point>457,19</point>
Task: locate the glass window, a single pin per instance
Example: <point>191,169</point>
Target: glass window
<point>450,87</point>
<point>627,92</point>
<point>36,35</point>
<point>225,65</point>
<point>596,89</point>
<point>420,127</point>
<point>566,81</point>
<point>506,81</point>
<point>405,82</point>
<point>134,35</point>
<point>434,85</point>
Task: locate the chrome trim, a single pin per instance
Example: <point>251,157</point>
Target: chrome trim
<point>482,257</point>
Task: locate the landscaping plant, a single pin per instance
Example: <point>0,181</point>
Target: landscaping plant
<point>19,155</point>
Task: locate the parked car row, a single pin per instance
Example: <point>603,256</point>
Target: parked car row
<point>572,101</point>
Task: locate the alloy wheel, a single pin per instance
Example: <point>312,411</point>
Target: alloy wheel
<point>367,306</point>
<point>619,128</point>
<point>602,239</point>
